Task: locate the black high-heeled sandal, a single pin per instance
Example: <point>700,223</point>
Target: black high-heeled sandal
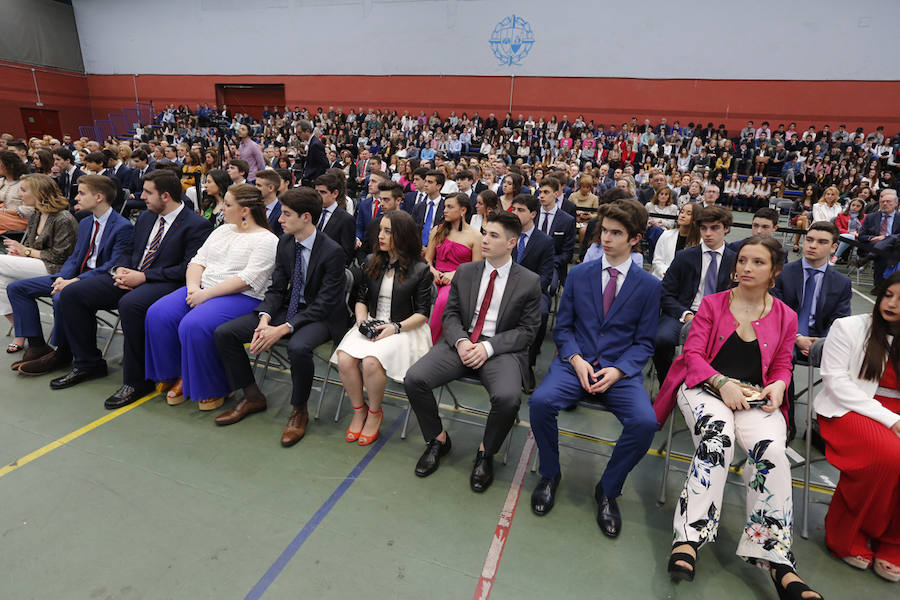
<point>679,572</point>
<point>795,589</point>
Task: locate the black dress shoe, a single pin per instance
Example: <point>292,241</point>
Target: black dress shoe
<point>127,394</point>
<point>76,376</point>
<point>431,458</point>
<point>544,495</point>
<point>608,517</point>
<point>483,472</point>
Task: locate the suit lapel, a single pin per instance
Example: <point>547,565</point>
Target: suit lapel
<point>724,275</point>
<point>596,280</point>
<point>508,291</point>
<point>823,291</point>
<point>473,293</point>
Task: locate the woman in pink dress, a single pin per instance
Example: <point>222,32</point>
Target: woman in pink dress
<point>451,243</point>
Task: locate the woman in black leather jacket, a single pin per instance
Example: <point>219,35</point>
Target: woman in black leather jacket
<point>393,303</point>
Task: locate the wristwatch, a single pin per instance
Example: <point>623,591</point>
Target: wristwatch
<point>27,252</point>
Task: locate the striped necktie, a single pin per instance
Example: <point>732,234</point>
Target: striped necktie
<point>153,250</point>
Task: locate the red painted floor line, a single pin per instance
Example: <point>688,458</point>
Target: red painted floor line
<point>504,524</point>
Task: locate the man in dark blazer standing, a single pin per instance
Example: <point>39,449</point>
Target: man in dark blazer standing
<point>695,273</point>
<point>878,228</point>
<point>816,292</point>
<point>535,252</point>
<point>316,161</point>
<point>104,241</point>
<point>559,225</point>
<point>604,332</point>
<point>167,235</point>
<point>492,314</point>
<point>304,303</point>
<point>335,222</point>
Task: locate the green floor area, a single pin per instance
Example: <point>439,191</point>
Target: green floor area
<point>160,503</point>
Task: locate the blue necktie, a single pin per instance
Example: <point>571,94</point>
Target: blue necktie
<point>712,274</point>
<point>809,290</point>
<point>520,253</point>
<point>429,217</point>
<point>297,283</point>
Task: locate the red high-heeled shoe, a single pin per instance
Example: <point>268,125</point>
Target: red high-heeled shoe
<point>352,436</point>
<point>365,440</point>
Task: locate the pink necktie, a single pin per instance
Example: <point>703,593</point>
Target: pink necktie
<point>609,292</point>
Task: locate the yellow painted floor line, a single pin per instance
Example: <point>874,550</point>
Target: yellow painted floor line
<point>16,464</point>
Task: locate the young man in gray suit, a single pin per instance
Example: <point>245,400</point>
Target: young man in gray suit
<point>491,318</point>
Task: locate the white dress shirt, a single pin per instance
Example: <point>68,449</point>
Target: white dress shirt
<point>102,219</point>
<point>168,220</point>
<point>622,268</point>
<point>490,319</point>
<point>547,214</point>
<point>704,266</point>
<point>327,211</point>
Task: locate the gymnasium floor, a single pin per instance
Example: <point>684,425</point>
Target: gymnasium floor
<point>154,501</point>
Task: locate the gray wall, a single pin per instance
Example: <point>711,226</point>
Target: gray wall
<point>40,32</point>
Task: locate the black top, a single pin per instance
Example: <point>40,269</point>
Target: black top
<point>680,242</point>
<point>739,360</point>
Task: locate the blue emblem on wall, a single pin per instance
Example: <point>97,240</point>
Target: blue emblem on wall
<point>511,40</point>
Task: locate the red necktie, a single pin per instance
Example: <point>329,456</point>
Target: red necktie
<point>482,312</point>
<point>376,205</point>
<point>90,248</point>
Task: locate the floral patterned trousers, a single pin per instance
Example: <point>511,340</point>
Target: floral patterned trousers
<point>715,429</point>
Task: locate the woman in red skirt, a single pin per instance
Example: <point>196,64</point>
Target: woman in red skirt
<point>859,416</point>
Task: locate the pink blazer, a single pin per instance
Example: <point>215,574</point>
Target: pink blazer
<point>711,327</point>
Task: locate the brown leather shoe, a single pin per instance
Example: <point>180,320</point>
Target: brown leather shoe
<point>31,354</point>
<point>244,408</point>
<point>295,429</point>
<point>51,361</point>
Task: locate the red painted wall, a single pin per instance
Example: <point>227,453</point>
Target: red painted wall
<point>856,103</point>
<point>65,91</point>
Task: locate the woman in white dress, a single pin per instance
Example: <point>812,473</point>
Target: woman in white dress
<point>393,303</point>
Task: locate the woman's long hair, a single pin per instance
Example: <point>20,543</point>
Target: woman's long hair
<point>47,197</point>
<point>443,228</point>
<point>693,236</point>
<point>407,246</point>
<point>223,182</point>
<point>878,350</point>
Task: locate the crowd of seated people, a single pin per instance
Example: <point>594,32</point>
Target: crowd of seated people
<point>456,257</point>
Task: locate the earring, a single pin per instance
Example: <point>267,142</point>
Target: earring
<point>244,222</point>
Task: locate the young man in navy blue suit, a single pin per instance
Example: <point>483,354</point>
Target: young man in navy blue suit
<point>694,273</point>
<point>430,211</point>
<point>558,224</point>
<point>816,292</point>
<point>268,182</point>
<point>167,235</point>
<point>535,252</point>
<point>104,241</point>
<point>604,334</point>
<point>68,174</point>
<point>370,206</point>
<point>413,198</point>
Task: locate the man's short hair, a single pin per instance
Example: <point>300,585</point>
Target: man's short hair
<point>64,153</point>
<point>139,155</point>
<point>165,181</point>
<point>439,177</point>
<point>303,200</point>
<point>421,172</point>
<point>767,213</point>
<point>393,187</point>
<point>304,125</point>
<point>714,214</point>
<point>100,184</point>
<point>510,223</point>
<point>378,173</point>
<point>269,176</point>
<point>328,181</point>
<point>550,182</point>
<point>96,157</point>
<point>241,165</point>
<point>828,227</point>
<point>528,201</point>
<point>465,174</point>
<point>285,175</point>
<point>627,211</point>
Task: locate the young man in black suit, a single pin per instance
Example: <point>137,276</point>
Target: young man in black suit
<point>816,292</point>
<point>304,303</point>
<point>559,225</point>
<point>695,273</point>
<point>412,199</point>
<point>335,222</point>
<point>535,252</point>
<point>167,235</point>
<point>390,195</point>
<point>268,182</point>
<point>68,174</point>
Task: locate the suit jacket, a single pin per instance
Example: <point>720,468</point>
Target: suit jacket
<point>408,297</point>
<point>538,257</point>
<point>569,207</point>
<point>479,187</point>
<point>409,201</point>
<point>364,216</point>
<point>626,337</point>
<point>341,227</point>
<point>562,232</point>
<point>136,185</point>
<point>316,161</point>
<point>420,210</point>
<point>182,240</point>
<point>872,225</point>
<point>323,290</point>
<point>680,284</point>
<point>833,301</point>
<point>273,217</point>
<point>73,186</point>
<point>114,250</point>
<point>517,321</point>
<point>123,175</point>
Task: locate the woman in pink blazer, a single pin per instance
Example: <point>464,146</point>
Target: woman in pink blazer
<point>746,335</point>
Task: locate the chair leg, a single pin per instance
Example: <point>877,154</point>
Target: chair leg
<point>112,334</point>
<point>534,463</point>
<point>804,532</point>
<point>405,422</point>
<point>508,445</point>
<point>322,393</point>
<point>665,476</point>
<point>337,413</point>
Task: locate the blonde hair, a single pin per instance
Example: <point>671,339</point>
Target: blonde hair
<point>48,199</point>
